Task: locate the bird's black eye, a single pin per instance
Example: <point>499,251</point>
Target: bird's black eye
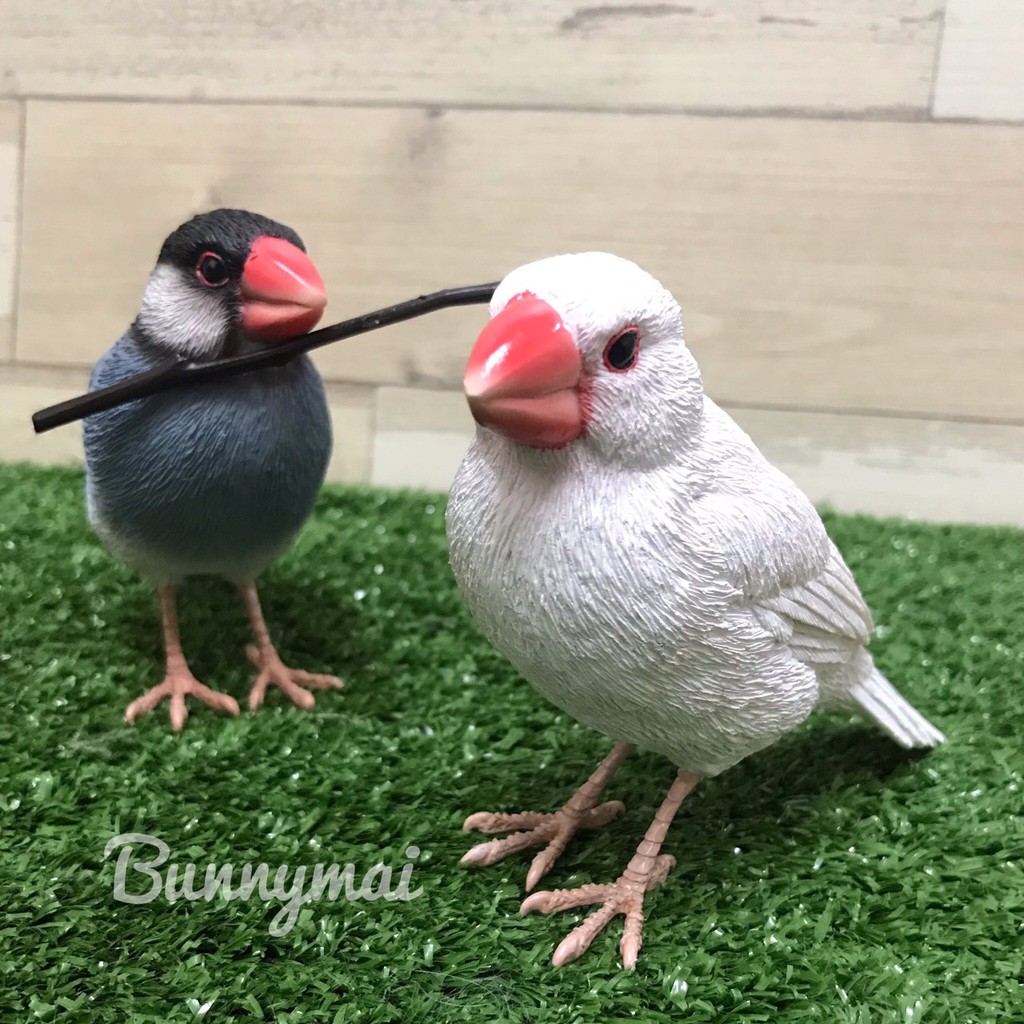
<point>212,270</point>
<point>620,353</point>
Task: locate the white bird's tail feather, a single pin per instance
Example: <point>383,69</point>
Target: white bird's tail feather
<point>880,700</point>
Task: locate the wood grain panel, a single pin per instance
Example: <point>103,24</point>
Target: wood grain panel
<point>10,150</point>
<point>18,441</point>
<point>352,422</point>
<point>879,465</point>
<point>981,67</point>
<point>843,265</point>
<point>854,56</point>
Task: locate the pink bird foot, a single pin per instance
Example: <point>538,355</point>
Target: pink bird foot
<point>626,896</point>
<point>293,682</point>
<point>554,830</point>
<point>178,683</point>
<point>647,868</point>
<point>178,680</point>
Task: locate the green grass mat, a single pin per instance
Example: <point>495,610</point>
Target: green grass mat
<point>832,878</point>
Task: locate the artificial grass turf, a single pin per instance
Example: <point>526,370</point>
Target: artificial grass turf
<point>833,877</point>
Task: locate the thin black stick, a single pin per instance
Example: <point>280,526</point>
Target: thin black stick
<point>180,374</point>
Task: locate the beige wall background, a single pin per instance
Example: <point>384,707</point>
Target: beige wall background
<point>834,190</point>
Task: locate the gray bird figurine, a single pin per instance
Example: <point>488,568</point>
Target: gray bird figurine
<point>219,479</point>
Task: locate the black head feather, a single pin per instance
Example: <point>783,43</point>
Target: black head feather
<point>228,232</point>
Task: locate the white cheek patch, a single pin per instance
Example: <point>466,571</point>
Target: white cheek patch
<point>189,321</point>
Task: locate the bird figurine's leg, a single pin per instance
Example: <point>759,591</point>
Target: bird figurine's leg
<point>272,670</point>
<point>178,680</point>
<point>645,870</point>
<point>531,828</point>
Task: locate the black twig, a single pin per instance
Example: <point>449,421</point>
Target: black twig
<point>179,374</point>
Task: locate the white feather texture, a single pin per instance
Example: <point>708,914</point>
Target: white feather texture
<point>188,321</point>
<point>657,578</point>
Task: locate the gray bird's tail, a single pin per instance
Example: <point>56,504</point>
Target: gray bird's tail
<point>880,700</point>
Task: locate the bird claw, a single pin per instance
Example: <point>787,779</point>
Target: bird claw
<point>293,682</point>
<point>177,685</point>
<point>490,822</point>
<point>531,828</point>
<point>625,896</point>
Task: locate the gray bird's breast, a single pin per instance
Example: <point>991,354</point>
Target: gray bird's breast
<point>218,479</point>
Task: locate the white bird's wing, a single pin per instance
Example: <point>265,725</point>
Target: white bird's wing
<point>824,618</point>
<point>772,545</point>
<point>758,533</point>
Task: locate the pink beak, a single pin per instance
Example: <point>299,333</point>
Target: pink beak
<point>283,294</point>
<point>523,376</point>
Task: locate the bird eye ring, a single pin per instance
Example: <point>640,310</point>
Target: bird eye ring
<point>620,354</point>
<point>212,270</point>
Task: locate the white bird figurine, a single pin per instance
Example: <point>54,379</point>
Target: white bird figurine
<point>627,547</point>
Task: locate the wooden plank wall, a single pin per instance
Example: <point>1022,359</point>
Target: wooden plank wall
<point>834,189</point>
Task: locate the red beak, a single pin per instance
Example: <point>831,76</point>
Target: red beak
<point>283,294</point>
<point>523,376</point>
